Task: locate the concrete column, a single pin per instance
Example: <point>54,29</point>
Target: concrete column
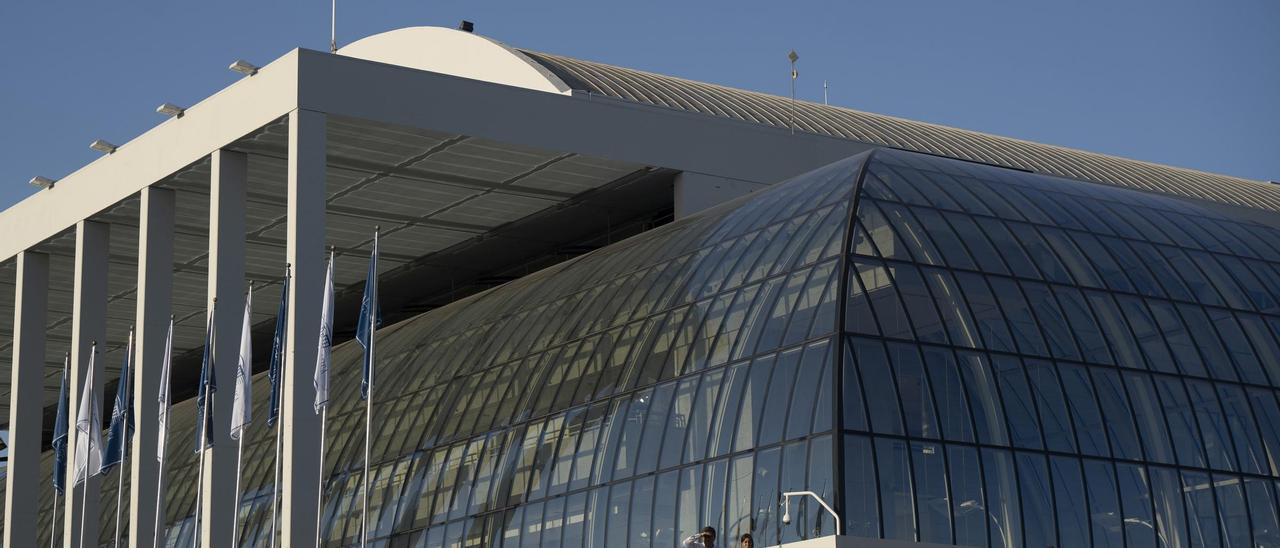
<point>300,464</point>
<point>88,324</point>
<point>23,478</point>
<point>226,284</point>
<point>155,295</point>
<point>695,192</point>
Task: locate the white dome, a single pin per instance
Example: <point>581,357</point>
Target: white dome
<point>457,53</point>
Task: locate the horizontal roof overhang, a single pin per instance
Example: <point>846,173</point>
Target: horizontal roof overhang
<point>304,79</point>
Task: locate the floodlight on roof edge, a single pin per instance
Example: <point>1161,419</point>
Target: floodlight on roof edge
<point>170,109</point>
<point>103,146</point>
<point>41,182</point>
<point>244,67</point>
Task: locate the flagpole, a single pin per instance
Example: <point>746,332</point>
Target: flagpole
<point>164,440</point>
<point>84,501</point>
<point>84,490</point>
<point>124,435</point>
<point>53,518</point>
<point>324,413</point>
<point>160,483</point>
<point>241,377</point>
<point>204,434</point>
<point>275,486</point>
<point>368,401</point>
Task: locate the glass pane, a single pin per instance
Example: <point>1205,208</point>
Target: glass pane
<point>1106,522</point>
<point>1002,499</point>
<point>1025,330</point>
<point>984,399</point>
<point>913,390</point>
<point>918,303</point>
<point>780,387</point>
<point>1150,418</point>
<point>1018,405</point>
<point>1213,425</point>
<point>1084,410</point>
<point>1139,525</point>
<point>948,393</point>
<point>967,503</point>
<point>955,312</point>
<point>1171,519</point>
<point>1058,334</point>
<point>1037,505</point>
<point>895,489</point>
<point>1201,514</point>
<point>1055,420</point>
<point>1267,412</point>
<point>1232,513</point>
<point>861,513</point>
<point>886,415</point>
<point>1182,422</point>
<point>1263,512</point>
<point>804,401</point>
<point>931,492</point>
<point>1115,407</point>
<point>986,312</point>
<point>664,509</point>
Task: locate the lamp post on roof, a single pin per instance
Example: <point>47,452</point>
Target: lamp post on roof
<point>794,74</point>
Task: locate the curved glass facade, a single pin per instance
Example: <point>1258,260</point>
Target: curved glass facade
<point>985,357</point>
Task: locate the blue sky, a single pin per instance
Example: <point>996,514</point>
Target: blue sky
<point>1187,83</point>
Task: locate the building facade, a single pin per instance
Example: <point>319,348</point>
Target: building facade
<point>947,351</point>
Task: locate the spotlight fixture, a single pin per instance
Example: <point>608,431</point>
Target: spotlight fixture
<point>170,109</point>
<point>244,67</point>
<point>42,182</point>
<point>466,26</point>
<point>102,146</point>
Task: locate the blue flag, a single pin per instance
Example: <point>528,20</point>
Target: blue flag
<point>208,385</point>
<point>60,434</point>
<point>277,349</point>
<point>369,316</point>
<point>121,418</point>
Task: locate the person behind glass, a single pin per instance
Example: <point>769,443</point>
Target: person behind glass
<point>745,541</point>
<point>705,539</point>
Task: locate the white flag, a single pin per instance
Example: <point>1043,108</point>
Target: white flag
<point>321,380</point>
<point>242,407</point>
<point>88,429</point>
<point>163,422</point>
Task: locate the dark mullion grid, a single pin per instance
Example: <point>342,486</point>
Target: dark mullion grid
<point>1214,287</point>
<point>1141,299</point>
<point>1087,367</point>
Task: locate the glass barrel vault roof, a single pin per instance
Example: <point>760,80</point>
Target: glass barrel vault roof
<point>984,357</point>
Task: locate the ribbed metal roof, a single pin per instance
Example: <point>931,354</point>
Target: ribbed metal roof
<point>667,91</point>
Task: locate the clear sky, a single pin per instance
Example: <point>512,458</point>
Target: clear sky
<point>1187,83</point>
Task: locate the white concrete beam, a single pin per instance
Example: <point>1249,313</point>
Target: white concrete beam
<point>229,114</point>
<point>155,296</point>
<point>227,191</point>
<point>300,461</point>
<point>23,478</point>
<point>88,324</point>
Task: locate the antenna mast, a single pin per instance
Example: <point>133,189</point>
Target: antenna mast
<point>333,27</point>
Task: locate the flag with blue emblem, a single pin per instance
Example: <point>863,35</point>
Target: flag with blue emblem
<point>60,433</point>
<point>369,315</point>
<point>321,379</point>
<point>88,427</point>
<point>208,386</point>
<point>242,406</point>
<point>121,429</point>
<point>277,350</point>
